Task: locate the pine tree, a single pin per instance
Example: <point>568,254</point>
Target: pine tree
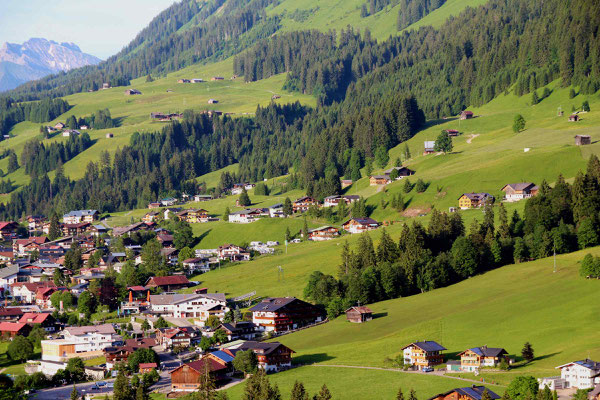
<point>226,214</point>
<point>74,393</point>
<point>406,152</point>
<point>13,163</point>
<point>503,228</point>
<point>121,389</point>
<point>54,232</point>
<point>386,251</point>
<point>324,394</point>
<point>298,392</point>
<point>244,199</point>
<point>288,209</point>
<point>527,352</point>
<point>518,123</point>
<point>412,395</point>
<point>534,98</point>
<point>407,186</point>
<point>400,395</point>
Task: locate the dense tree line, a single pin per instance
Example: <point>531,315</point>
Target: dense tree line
<point>560,219</point>
<point>371,7</point>
<point>11,113</point>
<point>163,47</point>
<point>468,61</point>
<point>38,158</point>
<point>410,11</point>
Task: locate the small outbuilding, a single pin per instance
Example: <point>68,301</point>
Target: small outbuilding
<point>581,140</point>
<point>573,118</point>
<point>466,114</point>
<point>213,101</point>
<point>359,314</point>
<point>109,135</point>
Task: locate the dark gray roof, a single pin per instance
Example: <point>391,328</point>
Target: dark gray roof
<point>273,304</point>
<point>488,351</point>
<point>8,271</point>
<point>428,345</point>
<point>473,392</point>
<point>259,347</point>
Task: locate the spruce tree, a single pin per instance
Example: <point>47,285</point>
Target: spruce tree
<point>121,389</point>
<point>288,209</point>
<point>54,232</point>
<point>74,393</point>
<point>298,392</point>
<point>412,395</point>
<point>244,199</point>
<point>518,123</point>
<point>324,394</point>
<point>400,395</point>
<point>527,352</point>
<point>226,214</point>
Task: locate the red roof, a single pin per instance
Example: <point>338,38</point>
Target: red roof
<point>33,239</point>
<point>11,326</point>
<point>147,365</point>
<point>6,254</point>
<point>34,318</point>
<point>33,286</point>
<point>5,224</point>
<point>168,280</point>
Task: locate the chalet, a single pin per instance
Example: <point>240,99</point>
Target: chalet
<point>428,147</point>
<point>97,230</point>
<point>75,229</point>
<point>188,377</point>
<point>573,118</point>
<point>197,80</point>
<point>196,264</point>
<point>168,283</point>
<point>45,320</point>
<point>42,296</point>
<point>75,217</point>
<point>129,229</point>
<point>27,291</point>
<point>36,222</point>
<point>401,171</point>
<point>232,252</point>
<point>276,211</point>
<point>71,132</point>
<point>183,81</point>
<point>473,359</point>
<point>452,132</point>
<point>272,357</point>
<point>194,215</point>
<point>132,92</point>
<point>170,254</point>
<point>323,233</point>
<point>474,200</point>
<point>280,314</point>
<point>360,225</point>
<point>359,314</point>
<point>473,392</point>
<point>519,191</point>
<point>466,115</point>
<point>423,354</point>
<point>147,367</point>
<point>304,203</point>
<point>12,329</point>
<point>154,204</point>
<point>80,341</point>
<point>168,201</point>
<point>59,125</point>
<point>8,277</point>
<point>581,140</point>
<point>582,374</point>
<point>166,240</point>
<point>217,78</point>
<point>213,101</point>
<point>346,183</point>
<point>22,247</point>
<point>178,337</point>
<point>379,180</point>
<point>8,230</point>
<point>245,216</point>
<point>109,135</point>
<point>239,330</point>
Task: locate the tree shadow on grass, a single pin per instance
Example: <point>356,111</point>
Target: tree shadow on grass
<point>521,362</point>
<point>312,358</point>
<point>200,238</point>
<point>380,315</point>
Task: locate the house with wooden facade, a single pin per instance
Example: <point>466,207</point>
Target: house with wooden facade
<point>466,114</point>
<point>334,201</point>
<point>375,180</point>
<point>403,172</point>
<point>519,191</point>
<point>8,230</point>
<point>272,356</point>
<point>360,225</point>
<point>75,217</point>
<point>239,330</point>
<point>178,337</point>
<point>12,329</point>
<point>473,392</point>
<point>359,314</point>
<point>168,283</point>
<point>423,354</point>
<point>582,140</point>
<point>44,320</point>
<point>474,200</point>
<point>304,203</point>
<point>280,314</point>
<point>323,233</point>
<point>232,253</point>
<point>473,359</point>
<point>428,147</point>
<point>187,377</point>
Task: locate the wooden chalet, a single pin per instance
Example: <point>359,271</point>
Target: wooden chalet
<point>272,357</point>
<point>346,183</point>
<point>147,367</point>
<point>581,140</point>
<point>519,191</point>
<point>402,172</point>
<point>12,329</point>
<point>360,225</point>
<point>44,320</point>
<point>474,200</point>
<point>452,132</point>
<point>574,118</point>
<point>187,377</point>
<point>323,233</point>
<point>11,314</point>
<point>473,359</point>
<point>428,147</point>
<point>423,354</point>
<point>379,180</point>
<point>359,314</point>
<point>280,314</point>
<point>473,392</point>
<point>466,115</point>
<point>168,283</point>
<point>8,230</point>
<point>239,330</point>
<point>132,92</point>
<point>304,203</point>
<point>75,229</point>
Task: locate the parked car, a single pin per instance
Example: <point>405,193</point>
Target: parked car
<point>428,369</point>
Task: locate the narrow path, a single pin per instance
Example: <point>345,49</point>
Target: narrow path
<point>471,137</point>
<point>436,373</point>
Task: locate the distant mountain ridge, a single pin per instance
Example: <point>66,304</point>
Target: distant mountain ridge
<point>37,58</point>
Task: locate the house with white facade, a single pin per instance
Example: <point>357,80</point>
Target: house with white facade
<point>245,216</point>
<point>8,276</point>
<point>582,374</point>
<point>200,306</point>
<point>80,341</point>
<point>79,216</point>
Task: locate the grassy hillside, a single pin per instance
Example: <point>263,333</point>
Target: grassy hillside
<point>502,308</point>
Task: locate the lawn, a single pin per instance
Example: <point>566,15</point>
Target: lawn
<point>11,367</point>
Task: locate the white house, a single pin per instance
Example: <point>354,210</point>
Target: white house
<point>195,264</point>
<point>583,374</point>
<point>80,341</point>
<point>245,216</point>
<point>233,253</point>
<point>76,217</point>
<point>334,201</point>
<point>8,276</point>
<point>71,132</point>
<point>276,211</point>
<point>199,306</point>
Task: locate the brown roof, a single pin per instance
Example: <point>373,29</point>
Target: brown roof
<point>200,365</point>
<point>361,309</point>
<point>168,280</point>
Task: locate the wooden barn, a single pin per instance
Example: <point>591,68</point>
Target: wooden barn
<point>581,140</point>
<point>359,314</point>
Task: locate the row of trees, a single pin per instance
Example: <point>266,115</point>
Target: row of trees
<point>38,158</point>
<point>11,112</point>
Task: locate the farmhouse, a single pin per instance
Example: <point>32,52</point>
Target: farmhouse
<point>452,132</point>
<point>519,191</point>
<point>245,216</point>
<point>423,354</point>
<point>323,233</point>
<point>402,172</point>
<point>428,147</point>
<point>187,377</point>
<point>232,252</point>
<point>573,118</point>
<point>203,197</point>
<point>12,329</point>
<point>581,140</point>
<point>281,314</point>
<point>379,180</point>
<point>239,330</point>
<point>466,114</point>
<point>71,132</point>
<point>304,203</point>
<point>359,314</point>
<point>473,359</point>
<point>333,201</point>
<point>582,374</point>
<point>168,283</point>
<point>131,92</point>
<point>272,357</point>
<point>467,393</point>
<point>59,125</point>
<point>346,183</point>
<point>8,230</point>
<point>182,337</point>
<point>360,225</point>
<point>474,200</point>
